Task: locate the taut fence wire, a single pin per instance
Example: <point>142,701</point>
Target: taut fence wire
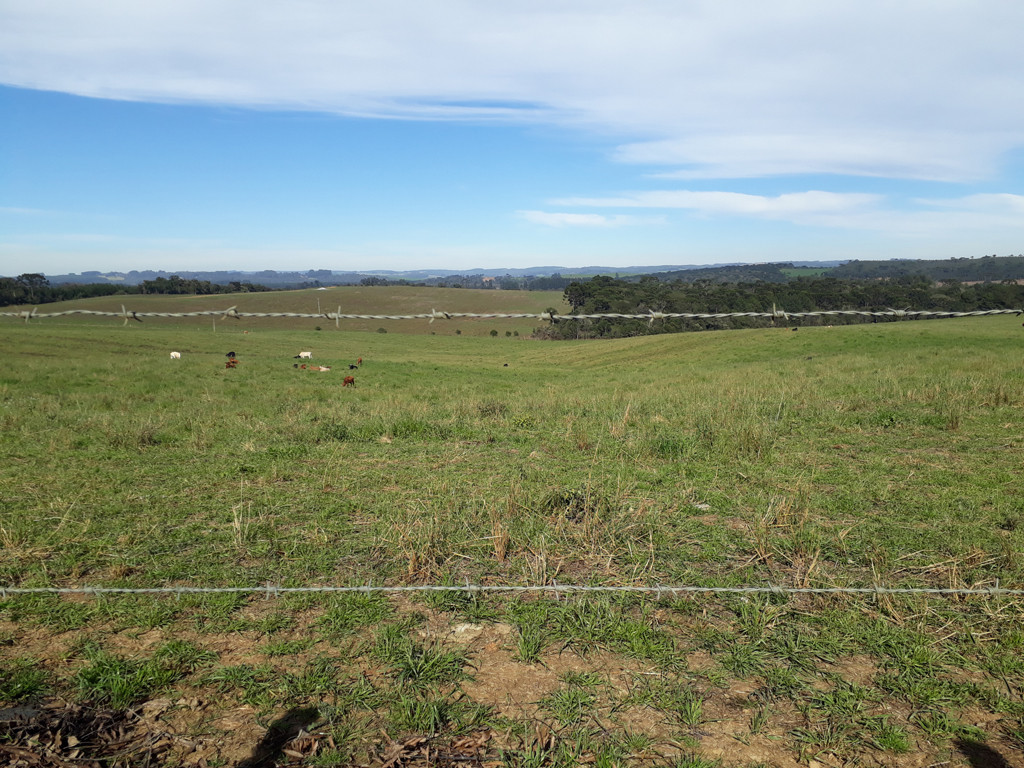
<point>551,317</point>
<point>660,590</point>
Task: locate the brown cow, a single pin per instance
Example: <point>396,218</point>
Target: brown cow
<point>349,380</point>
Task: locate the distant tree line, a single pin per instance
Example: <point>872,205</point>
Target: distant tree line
<point>738,273</point>
<point>987,268</point>
<point>34,288</point>
<point>193,287</point>
<point>608,295</point>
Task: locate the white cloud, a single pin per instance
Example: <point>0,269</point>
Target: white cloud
<point>924,89</point>
<point>15,211</point>
<point>1003,212</point>
<point>895,153</point>
<point>978,216</point>
<point>781,206</point>
<point>996,204</point>
<point>581,219</point>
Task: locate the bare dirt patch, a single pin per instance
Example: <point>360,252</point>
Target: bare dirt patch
<point>859,670</point>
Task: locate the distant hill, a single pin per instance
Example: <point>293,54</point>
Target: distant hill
<point>985,268</point>
<point>315,277</point>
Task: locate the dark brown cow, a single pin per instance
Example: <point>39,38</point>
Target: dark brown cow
<point>349,380</point>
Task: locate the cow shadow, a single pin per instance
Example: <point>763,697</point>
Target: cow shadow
<point>280,732</point>
<point>980,755</point>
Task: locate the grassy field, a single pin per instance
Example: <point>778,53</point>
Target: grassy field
<point>878,454</point>
<point>805,271</point>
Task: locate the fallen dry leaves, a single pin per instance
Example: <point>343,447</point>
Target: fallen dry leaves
<point>470,750</point>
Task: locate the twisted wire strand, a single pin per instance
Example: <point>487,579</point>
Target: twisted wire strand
<point>775,314</point>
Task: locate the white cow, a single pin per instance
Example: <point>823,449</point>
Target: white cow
<point>175,355</point>
<point>304,356</point>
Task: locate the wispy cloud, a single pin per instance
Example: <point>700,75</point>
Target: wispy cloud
<point>895,152</point>
<point>558,219</point>
<point>995,204</point>
<point>780,206</point>
<point>861,211</point>
<point>916,89</point>
<point>16,211</point>
<point>979,216</point>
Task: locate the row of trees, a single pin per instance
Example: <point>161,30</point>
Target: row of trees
<point>34,288</point>
<point>192,287</point>
<point>605,294</point>
<point>987,268</point>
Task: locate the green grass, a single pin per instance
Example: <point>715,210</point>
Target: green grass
<point>856,455</point>
<point>570,705</point>
<point>424,665</point>
<point>111,679</point>
<point>22,680</point>
<point>347,612</point>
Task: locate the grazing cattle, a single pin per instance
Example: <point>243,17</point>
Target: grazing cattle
<point>505,365</point>
<point>232,363</point>
<point>304,356</point>
<point>359,361</point>
<point>353,367</point>
<point>231,355</point>
<point>349,380</point>
<point>796,329</point>
<point>175,355</point>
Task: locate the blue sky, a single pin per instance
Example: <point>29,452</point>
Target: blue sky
<point>326,134</point>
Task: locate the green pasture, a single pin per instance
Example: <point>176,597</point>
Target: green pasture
<point>883,454</point>
<point>805,271</point>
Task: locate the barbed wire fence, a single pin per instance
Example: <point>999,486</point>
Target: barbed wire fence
<point>551,317</point>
